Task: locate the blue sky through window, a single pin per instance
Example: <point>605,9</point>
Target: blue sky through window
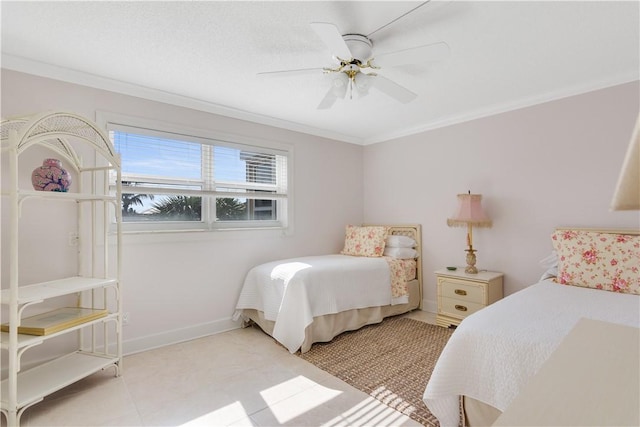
<point>145,155</point>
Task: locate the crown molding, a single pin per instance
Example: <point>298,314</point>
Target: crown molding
<point>506,107</point>
<point>41,69</point>
<point>28,66</point>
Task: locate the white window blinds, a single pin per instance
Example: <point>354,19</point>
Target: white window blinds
<point>174,177</point>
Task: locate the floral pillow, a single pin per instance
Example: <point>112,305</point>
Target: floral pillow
<point>598,260</point>
<point>364,241</point>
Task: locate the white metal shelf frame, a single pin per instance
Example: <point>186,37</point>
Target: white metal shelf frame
<point>60,132</point>
<point>38,382</point>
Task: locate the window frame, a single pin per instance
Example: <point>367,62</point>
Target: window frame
<point>154,128</point>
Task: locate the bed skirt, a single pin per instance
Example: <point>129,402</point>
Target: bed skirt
<point>477,413</point>
<point>325,328</point>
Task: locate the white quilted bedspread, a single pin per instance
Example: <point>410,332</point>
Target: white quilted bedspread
<point>292,292</point>
<point>494,352</point>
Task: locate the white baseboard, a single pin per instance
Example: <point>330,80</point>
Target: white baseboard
<point>149,342</point>
<point>175,336</point>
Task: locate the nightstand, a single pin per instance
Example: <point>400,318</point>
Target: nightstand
<point>461,294</point>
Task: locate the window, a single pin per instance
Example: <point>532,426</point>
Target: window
<point>174,181</point>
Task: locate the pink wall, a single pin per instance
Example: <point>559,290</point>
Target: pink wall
<point>537,168</point>
<point>181,285</point>
<point>554,164</point>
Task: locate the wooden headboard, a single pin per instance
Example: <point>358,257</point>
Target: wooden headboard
<point>629,231</point>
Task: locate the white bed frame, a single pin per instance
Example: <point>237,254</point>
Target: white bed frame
<point>325,328</point>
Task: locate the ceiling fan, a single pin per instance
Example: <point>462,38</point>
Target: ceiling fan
<point>357,67</point>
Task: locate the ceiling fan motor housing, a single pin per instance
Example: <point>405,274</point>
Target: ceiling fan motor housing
<point>360,46</point>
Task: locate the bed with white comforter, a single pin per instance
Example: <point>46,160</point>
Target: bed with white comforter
<point>495,351</point>
<point>303,300</point>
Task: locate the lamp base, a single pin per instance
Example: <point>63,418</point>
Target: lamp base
<point>471,261</point>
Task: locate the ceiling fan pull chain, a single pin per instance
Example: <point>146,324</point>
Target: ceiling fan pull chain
<point>399,17</point>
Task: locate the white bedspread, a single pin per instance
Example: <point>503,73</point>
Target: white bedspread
<point>292,292</point>
<point>493,352</point>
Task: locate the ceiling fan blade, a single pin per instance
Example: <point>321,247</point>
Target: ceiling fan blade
<point>393,89</point>
<point>398,18</point>
<point>330,35</point>
<point>328,100</point>
<point>289,73</point>
<point>414,55</point>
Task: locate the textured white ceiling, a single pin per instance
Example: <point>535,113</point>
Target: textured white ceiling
<point>205,55</point>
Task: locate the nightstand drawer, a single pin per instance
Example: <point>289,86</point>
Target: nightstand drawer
<point>456,308</point>
<point>465,291</point>
<point>461,294</point>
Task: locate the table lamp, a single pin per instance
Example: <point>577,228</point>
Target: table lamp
<point>469,214</point>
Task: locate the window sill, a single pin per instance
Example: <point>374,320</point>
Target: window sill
<point>159,236</point>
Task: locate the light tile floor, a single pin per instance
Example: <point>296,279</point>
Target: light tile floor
<point>237,378</point>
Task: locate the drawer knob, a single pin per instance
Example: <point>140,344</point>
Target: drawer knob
<point>460,292</point>
<point>461,307</point>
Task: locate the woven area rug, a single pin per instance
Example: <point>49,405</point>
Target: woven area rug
<point>391,361</point>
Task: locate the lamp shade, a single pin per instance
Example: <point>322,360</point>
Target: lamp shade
<point>469,212</point>
<point>627,193</point>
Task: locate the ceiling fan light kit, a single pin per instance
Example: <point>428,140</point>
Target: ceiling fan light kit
<point>339,85</point>
<point>363,82</point>
<point>354,54</point>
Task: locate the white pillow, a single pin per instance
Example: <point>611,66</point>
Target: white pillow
<point>400,242</point>
<point>402,253</point>
<point>550,263</point>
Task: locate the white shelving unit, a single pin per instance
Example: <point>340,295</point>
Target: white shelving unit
<point>97,281</point>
